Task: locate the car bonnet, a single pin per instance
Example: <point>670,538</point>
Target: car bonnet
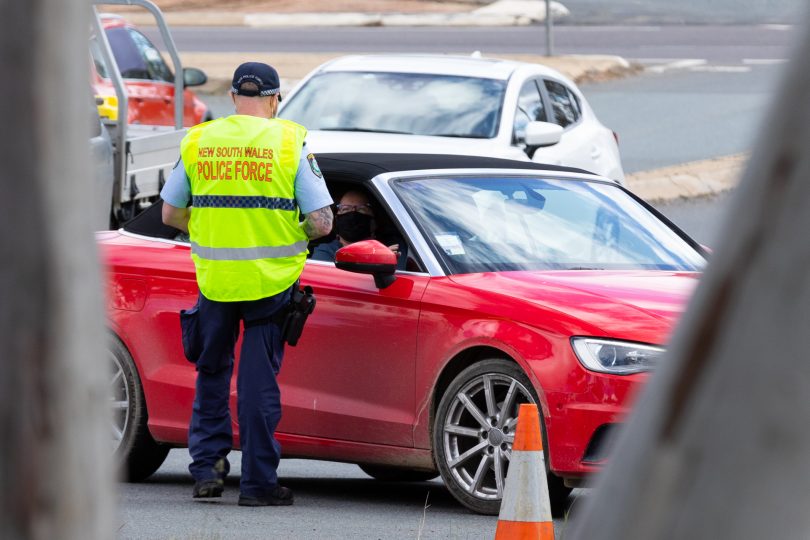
<point>638,305</point>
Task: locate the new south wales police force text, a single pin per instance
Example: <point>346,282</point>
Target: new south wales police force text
<point>250,163</point>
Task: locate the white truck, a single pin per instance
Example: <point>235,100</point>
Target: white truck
<point>132,161</point>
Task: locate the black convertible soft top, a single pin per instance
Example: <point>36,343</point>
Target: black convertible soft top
<point>360,168</point>
<point>364,167</point>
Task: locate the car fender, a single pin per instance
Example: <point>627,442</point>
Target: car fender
<point>472,340</point>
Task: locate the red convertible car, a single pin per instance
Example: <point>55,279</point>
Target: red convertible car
<point>517,283</point>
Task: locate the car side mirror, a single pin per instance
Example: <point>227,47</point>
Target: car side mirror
<point>369,257</point>
<point>194,77</point>
<point>542,134</point>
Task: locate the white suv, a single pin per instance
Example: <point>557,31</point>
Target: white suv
<point>451,105</point>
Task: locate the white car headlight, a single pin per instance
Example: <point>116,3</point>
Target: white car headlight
<point>617,357</point>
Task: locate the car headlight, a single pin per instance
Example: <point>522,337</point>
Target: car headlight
<point>617,357</point>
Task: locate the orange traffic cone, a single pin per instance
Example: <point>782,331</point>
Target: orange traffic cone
<point>526,508</point>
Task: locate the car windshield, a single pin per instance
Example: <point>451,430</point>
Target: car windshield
<point>409,103</point>
<point>525,223</point>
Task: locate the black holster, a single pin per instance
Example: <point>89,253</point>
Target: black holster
<point>190,331</point>
<point>302,303</point>
<point>292,317</point>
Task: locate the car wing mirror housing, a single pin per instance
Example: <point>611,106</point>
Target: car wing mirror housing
<point>543,134</point>
<point>194,77</point>
<point>369,257</point>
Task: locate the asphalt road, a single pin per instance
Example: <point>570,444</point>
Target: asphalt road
<point>694,11</point>
<point>717,44</point>
<point>333,501</point>
<point>702,218</point>
<point>683,115</point>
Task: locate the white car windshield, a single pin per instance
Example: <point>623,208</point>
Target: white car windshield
<point>524,223</point>
<point>408,103</point>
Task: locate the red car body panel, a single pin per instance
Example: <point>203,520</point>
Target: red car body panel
<point>637,306</point>
<point>369,398</point>
<point>150,102</point>
<point>361,386</point>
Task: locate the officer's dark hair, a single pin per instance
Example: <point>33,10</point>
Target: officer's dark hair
<point>249,86</point>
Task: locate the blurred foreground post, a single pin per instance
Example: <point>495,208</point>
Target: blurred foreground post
<point>549,30</point>
<point>717,447</point>
<point>55,458</point>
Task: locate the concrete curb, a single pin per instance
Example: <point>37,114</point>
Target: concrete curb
<point>500,13</point>
<point>274,20</point>
<point>331,20</point>
<point>695,179</point>
<point>280,20</point>
<point>534,9</point>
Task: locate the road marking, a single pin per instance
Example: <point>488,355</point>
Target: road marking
<point>763,61</point>
<point>686,63</point>
<point>721,69</point>
<point>703,66</point>
<point>651,60</point>
<point>777,27</point>
<point>616,28</point>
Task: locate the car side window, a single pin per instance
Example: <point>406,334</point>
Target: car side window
<point>385,230</point>
<point>565,106</point>
<point>129,59</point>
<point>155,66</point>
<point>529,109</point>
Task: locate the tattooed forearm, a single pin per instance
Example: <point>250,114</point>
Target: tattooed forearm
<point>318,223</point>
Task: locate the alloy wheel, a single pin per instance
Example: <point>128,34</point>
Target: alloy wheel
<point>479,431</point>
<point>119,403</point>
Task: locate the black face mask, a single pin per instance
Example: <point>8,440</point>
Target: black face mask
<point>353,226</point>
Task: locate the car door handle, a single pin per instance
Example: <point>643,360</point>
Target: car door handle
<point>596,153</point>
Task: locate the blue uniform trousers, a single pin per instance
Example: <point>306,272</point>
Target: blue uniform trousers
<point>259,399</point>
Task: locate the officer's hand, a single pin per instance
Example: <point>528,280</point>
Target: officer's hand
<point>394,248</point>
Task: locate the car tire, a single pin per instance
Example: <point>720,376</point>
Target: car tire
<point>472,462</point>
<point>397,474</point>
<point>136,452</point>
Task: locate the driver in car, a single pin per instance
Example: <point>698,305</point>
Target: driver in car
<point>354,222</point>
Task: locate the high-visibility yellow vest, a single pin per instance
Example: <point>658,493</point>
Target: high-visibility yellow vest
<point>246,242</point>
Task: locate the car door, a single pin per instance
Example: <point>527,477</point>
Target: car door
<point>578,146</point>
<point>351,377</point>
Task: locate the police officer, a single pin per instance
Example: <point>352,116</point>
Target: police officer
<point>247,176</point>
